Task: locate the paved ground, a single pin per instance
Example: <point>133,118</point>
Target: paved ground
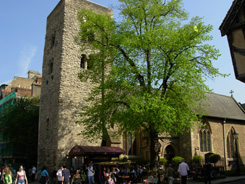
<point>234,179</point>
<point>227,180</point>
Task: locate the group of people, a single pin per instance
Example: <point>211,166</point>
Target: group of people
<point>90,175</point>
<point>79,176</point>
<point>8,175</point>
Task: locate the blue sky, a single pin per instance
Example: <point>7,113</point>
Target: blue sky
<point>22,36</point>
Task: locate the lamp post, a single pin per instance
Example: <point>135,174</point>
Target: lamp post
<point>237,156</point>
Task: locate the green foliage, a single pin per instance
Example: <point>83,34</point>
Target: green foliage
<point>163,161</point>
<point>214,158</point>
<point>149,69</point>
<point>197,159</point>
<point>177,160</point>
<point>19,125</point>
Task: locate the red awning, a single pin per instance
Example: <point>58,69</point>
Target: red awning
<point>95,150</point>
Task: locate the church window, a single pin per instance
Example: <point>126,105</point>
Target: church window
<point>129,144</point>
<point>231,148</point>
<point>205,139</point>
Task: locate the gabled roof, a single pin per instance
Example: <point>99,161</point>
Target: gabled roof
<point>221,106</point>
<point>230,16</point>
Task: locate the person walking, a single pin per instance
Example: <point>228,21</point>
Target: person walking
<point>8,176</point>
<point>183,171</point>
<point>59,175</point>
<point>76,179</point>
<point>170,174</point>
<point>65,175</point>
<point>3,175</point>
<point>21,176</point>
<point>91,173</point>
<point>207,173</point>
<point>44,175</point>
<point>33,173</point>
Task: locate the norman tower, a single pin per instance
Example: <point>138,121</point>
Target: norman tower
<point>62,91</point>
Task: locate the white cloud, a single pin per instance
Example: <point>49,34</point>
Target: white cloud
<point>26,56</point>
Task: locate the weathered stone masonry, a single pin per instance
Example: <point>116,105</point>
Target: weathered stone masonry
<point>63,93</point>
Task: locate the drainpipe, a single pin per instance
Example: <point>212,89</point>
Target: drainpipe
<point>225,158</point>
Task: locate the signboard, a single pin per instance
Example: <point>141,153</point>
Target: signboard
<point>157,145</point>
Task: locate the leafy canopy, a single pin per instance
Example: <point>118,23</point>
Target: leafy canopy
<point>154,62</point>
<point>19,125</point>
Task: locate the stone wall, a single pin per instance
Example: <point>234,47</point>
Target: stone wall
<point>218,143</point>
<point>63,94</point>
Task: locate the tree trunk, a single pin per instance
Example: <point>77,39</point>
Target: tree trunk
<point>153,158</point>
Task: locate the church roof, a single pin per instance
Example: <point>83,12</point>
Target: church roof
<point>221,106</point>
<point>243,106</point>
<point>230,16</point>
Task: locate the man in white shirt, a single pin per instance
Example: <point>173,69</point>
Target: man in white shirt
<point>91,173</point>
<point>183,170</point>
<point>59,175</point>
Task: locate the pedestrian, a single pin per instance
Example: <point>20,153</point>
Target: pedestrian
<point>8,176</point>
<point>44,175</point>
<point>21,176</point>
<point>83,176</point>
<point>3,174</point>
<point>76,179</point>
<point>207,173</point>
<point>59,174</point>
<point>91,173</point>
<point>65,175</point>
<point>183,171</point>
<point>33,173</point>
<point>170,174</point>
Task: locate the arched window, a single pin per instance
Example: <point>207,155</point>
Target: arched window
<point>205,138</point>
<point>129,144</point>
<point>231,148</point>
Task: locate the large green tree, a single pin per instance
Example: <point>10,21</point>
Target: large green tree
<point>19,126</point>
<point>151,66</point>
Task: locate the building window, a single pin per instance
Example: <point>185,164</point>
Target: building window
<point>129,144</point>
<point>205,140</point>
<point>231,149</point>
<point>52,40</point>
<point>51,66</point>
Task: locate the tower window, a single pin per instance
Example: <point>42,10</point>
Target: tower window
<point>52,41</point>
<point>83,61</point>
<point>51,66</point>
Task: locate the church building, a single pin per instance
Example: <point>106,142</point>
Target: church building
<point>63,95</point>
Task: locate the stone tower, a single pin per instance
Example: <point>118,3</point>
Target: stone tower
<point>62,92</point>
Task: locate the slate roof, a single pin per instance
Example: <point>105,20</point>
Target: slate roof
<point>221,106</point>
<point>230,16</point>
<point>243,106</point>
